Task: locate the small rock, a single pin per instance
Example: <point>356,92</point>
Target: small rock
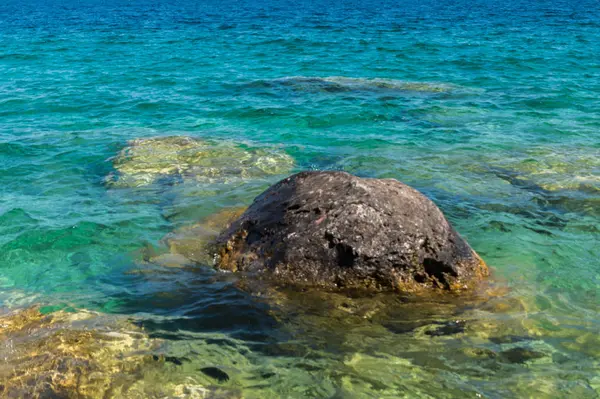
<point>215,373</point>
<point>448,328</point>
<point>176,360</point>
<point>520,355</point>
<point>508,339</point>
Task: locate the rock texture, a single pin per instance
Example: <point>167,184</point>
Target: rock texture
<point>336,230</point>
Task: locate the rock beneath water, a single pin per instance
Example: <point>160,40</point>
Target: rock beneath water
<point>151,160</point>
<point>342,84</point>
<point>190,244</point>
<point>551,169</point>
<point>83,354</point>
<point>448,328</point>
<point>63,355</point>
<point>335,230</point>
<point>521,355</point>
<point>215,373</point>
<point>508,339</point>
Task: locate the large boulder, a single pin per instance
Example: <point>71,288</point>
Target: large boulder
<point>336,230</point>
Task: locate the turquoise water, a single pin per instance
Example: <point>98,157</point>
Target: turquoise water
<point>489,108</point>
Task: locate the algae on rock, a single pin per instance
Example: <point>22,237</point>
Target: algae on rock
<point>175,158</point>
<point>554,170</point>
<point>83,355</point>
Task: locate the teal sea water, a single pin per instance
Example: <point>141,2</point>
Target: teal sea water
<point>489,108</point>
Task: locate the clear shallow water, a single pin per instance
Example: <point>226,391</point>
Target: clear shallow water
<point>489,108</point>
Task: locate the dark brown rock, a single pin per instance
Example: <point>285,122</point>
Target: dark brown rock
<point>336,230</point>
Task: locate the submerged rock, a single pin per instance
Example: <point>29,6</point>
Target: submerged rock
<point>58,355</point>
<point>151,160</point>
<point>83,354</point>
<point>336,230</point>
<point>215,373</point>
<point>448,328</point>
<point>191,244</point>
<point>552,169</point>
<point>521,355</point>
<point>341,84</point>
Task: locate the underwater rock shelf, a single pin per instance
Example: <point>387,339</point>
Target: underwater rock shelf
<point>172,159</point>
<point>84,354</point>
<point>335,230</point>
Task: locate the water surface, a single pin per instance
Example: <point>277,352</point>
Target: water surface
<point>489,108</point>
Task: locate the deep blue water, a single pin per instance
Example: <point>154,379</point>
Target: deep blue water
<point>490,108</point>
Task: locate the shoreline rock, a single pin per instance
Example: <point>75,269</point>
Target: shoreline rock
<point>337,231</point>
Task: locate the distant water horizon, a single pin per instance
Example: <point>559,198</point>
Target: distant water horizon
<point>489,108</point>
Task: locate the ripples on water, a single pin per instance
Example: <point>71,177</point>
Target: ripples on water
<point>489,108</point>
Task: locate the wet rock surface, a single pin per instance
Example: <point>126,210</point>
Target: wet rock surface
<point>336,230</point>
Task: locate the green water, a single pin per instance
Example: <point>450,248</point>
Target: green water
<point>489,109</point>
